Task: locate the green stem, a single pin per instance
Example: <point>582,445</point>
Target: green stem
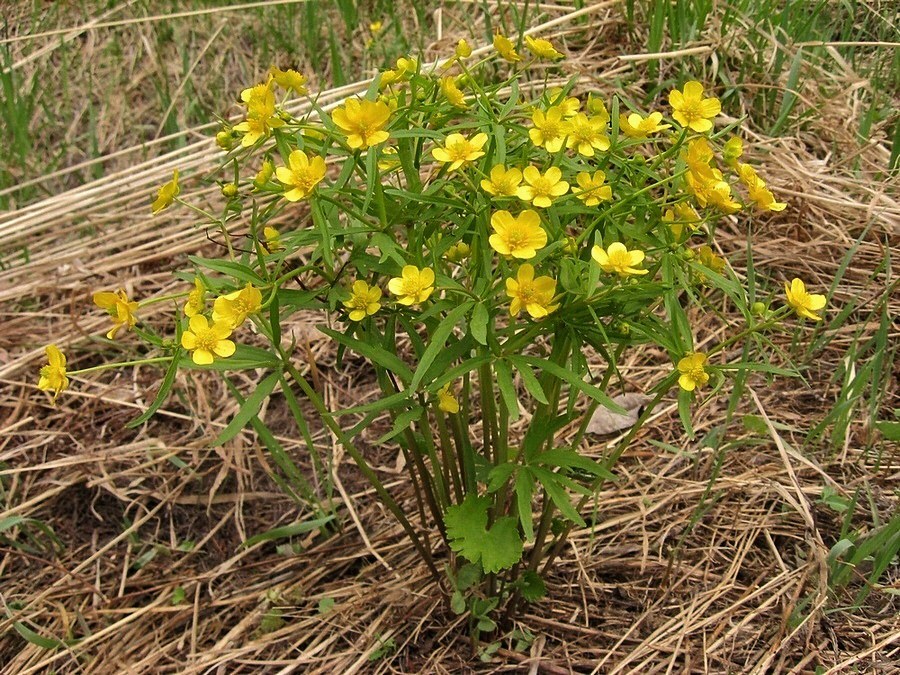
<point>120,364</point>
<point>363,466</point>
<point>451,467</point>
<point>488,412</point>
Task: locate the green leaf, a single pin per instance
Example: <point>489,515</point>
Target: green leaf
<point>498,476</point>
<point>374,353</point>
<point>287,531</point>
<point>551,483</point>
<point>248,409</point>
<point>325,605</point>
<point>684,411</point>
<point>530,381</point>
<point>438,338</point>
<point>567,458</point>
<point>890,430</point>
<point>532,586</point>
<point>36,639</point>
<point>401,424</point>
<point>245,357</point>
<point>164,388</point>
<point>524,493</point>
<point>377,405</point>
<point>574,381</point>
<point>320,220</point>
<point>498,548</point>
<point>507,387</point>
<point>231,269</point>
<point>478,324</point>
<point>457,603</point>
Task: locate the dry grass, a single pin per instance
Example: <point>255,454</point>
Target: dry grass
<point>679,574</point>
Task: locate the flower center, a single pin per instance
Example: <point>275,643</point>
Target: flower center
<point>619,259</point>
<point>543,187</point>
<point>552,129</point>
<point>692,111</point>
<point>516,239</point>
<point>206,340</point>
<point>459,151</point>
<point>412,286</point>
<point>527,293</point>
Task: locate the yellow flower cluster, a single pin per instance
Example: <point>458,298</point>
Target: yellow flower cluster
<point>206,338</point>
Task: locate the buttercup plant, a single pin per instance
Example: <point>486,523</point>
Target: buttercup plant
<point>482,244</point>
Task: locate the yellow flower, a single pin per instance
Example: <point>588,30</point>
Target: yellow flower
<point>550,128</point>
<point>206,341</point>
<point>693,374</point>
<point>233,309</point>
<point>635,126</point>
<point>458,151</point>
<point>254,128</point>
<point>593,189</point>
<point>447,401</point>
<point>805,304</point>
<point>413,285</point>
<point>289,79</point>
<point>261,117</point>
<point>166,194</point>
<point>691,110</point>
<point>389,160</point>
<point>699,158</point>
<point>569,105</point>
<point>375,26</point>
<point>119,307</point>
<point>272,239</point>
<point>542,189</point>
<point>597,108</point>
<point>463,50</point>
<point>708,258</point>
<point>712,189</point>
<point>683,214</point>
<point>264,174</point>
<point>732,150</point>
<point>53,375</point>
<point>587,134</point>
<point>196,301</point>
<point>616,258</point>
<point>543,49</point>
<point>503,182</point>
<point>406,67</point>
<point>452,92</point>
<point>757,190</point>
<point>303,175</point>
<point>362,122</point>
<point>519,236</point>
<point>534,295</point>
<point>506,48</point>
<point>259,99</point>
<point>363,301</point>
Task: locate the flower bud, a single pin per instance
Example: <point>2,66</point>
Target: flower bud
<point>759,309</point>
<point>224,140</point>
<point>230,190</point>
<point>463,50</point>
<point>265,173</point>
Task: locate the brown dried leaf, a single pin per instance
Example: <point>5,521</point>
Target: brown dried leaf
<point>604,421</point>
